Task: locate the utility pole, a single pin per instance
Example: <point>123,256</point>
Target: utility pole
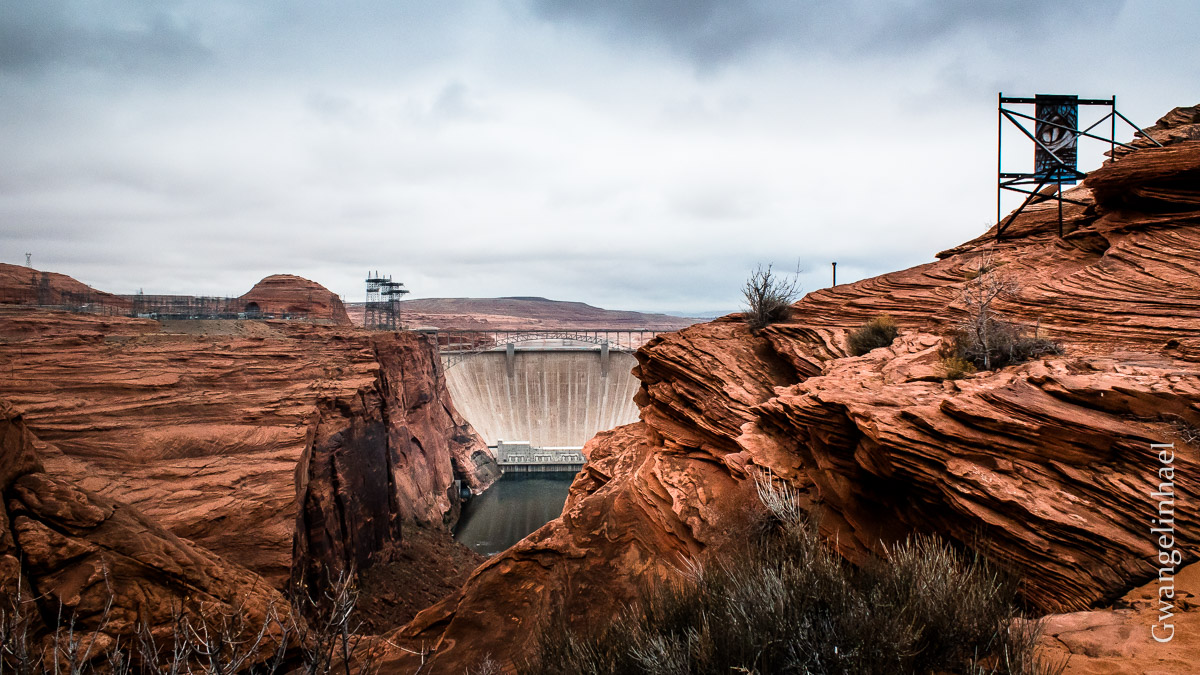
<point>835,274</point>
<point>28,256</point>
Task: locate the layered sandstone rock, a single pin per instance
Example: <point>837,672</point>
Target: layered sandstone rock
<point>1046,467</point>
<point>68,554</point>
<point>1181,124</point>
<point>203,432</point>
<point>379,459</point>
<point>27,286</point>
<point>1143,633</point>
<point>288,294</point>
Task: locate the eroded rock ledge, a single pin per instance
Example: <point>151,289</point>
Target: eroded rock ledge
<point>69,554</point>
<point>203,431</point>
<point>389,454</point>
<point>1046,467</point>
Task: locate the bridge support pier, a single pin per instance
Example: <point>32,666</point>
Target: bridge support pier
<point>510,358</point>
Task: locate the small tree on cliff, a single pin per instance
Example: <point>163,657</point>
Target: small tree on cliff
<point>985,338</point>
<point>983,330</point>
<point>768,296</point>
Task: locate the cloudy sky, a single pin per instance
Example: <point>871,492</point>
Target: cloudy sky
<point>626,153</point>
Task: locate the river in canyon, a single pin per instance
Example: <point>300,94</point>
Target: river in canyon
<point>514,506</point>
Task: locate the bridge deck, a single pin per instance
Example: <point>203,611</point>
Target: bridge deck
<point>457,345</point>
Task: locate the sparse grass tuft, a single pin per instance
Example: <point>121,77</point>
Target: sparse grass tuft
<point>878,332</point>
<point>486,666</point>
<point>202,639</point>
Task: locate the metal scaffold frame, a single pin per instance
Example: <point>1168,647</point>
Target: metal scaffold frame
<point>1054,160</point>
<point>382,308</point>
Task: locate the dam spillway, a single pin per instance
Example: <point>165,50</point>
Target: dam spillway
<point>552,398</point>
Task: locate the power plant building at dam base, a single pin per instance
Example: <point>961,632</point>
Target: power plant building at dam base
<point>544,404</point>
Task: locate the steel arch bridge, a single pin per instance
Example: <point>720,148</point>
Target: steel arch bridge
<point>456,346</point>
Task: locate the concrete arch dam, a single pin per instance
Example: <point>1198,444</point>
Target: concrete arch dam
<point>553,399</point>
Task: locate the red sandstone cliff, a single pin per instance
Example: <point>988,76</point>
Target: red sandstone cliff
<point>1046,467</point>
<point>288,294</point>
<point>204,432</point>
<point>70,553</point>
<point>380,458</point>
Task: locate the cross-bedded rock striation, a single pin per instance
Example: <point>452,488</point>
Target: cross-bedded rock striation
<point>70,558</point>
<point>203,429</point>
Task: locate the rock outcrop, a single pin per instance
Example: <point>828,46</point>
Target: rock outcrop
<point>380,458</point>
<point>27,286</point>
<point>67,554</point>
<point>1046,467</point>
<point>203,433</point>
<point>290,295</point>
<point>1120,640</point>
<point>1181,124</point>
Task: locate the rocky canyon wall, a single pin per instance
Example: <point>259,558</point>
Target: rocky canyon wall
<point>393,453</point>
<point>70,555</point>
<point>203,429</point>
<point>1046,467</point>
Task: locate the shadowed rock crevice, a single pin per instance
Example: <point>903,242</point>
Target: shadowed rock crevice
<point>377,459</point>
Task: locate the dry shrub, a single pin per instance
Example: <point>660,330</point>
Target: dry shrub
<point>487,666</point>
<point>768,296</point>
<point>878,332</point>
<point>999,344</point>
<point>985,337</point>
<point>787,604</point>
<point>211,640</point>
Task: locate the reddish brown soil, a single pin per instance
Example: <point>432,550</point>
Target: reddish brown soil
<point>429,566</point>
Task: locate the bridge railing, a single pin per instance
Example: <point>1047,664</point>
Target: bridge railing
<point>458,345</point>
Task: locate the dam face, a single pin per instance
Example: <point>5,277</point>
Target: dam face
<point>550,398</point>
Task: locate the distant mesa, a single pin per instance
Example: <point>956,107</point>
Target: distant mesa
<point>292,296</point>
<point>523,313</point>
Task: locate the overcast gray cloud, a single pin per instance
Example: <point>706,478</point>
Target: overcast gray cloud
<point>629,154</point>
<point>38,36</point>
<point>714,32</point>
